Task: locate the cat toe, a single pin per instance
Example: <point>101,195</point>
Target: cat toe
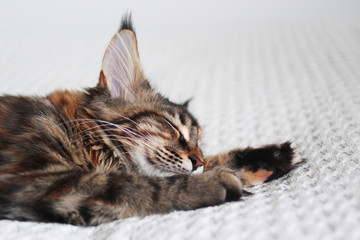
<point>283,160</point>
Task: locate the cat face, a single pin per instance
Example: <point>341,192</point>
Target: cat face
<point>164,142</point>
<point>160,137</point>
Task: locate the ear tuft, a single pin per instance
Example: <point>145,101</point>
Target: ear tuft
<point>186,103</point>
<point>126,23</point>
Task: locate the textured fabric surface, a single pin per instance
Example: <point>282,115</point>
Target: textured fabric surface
<point>253,83</point>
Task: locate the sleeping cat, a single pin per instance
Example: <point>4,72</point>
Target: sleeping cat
<point>117,150</point>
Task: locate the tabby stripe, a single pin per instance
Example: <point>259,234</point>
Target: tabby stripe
<point>45,212</point>
<point>133,118</point>
<point>182,119</point>
<point>65,153</point>
<point>155,193</point>
<point>152,162</point>
<point>148,132</point>
<point>61,186</point>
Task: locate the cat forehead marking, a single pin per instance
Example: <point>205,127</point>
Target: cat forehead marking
<point>185,132</point>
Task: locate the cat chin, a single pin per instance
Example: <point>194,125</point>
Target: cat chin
<point>199,170</point>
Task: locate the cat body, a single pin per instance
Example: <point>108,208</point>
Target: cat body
<point>117,150</point>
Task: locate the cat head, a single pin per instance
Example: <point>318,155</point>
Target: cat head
<point>160,137</point>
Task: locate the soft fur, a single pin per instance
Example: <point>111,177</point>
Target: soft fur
<point>117,150</point>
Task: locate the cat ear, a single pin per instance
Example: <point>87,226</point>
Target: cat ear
<point>186,103</point>
<point>121,69</point>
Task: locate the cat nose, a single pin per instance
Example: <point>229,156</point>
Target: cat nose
<point>196,162</point>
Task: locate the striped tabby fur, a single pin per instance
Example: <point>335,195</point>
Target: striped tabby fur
<point>117,150</point>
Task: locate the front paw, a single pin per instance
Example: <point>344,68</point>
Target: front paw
<point>258,165</point>
<point>219,185</point>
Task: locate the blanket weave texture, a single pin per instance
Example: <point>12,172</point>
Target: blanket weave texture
<point>253,84</point>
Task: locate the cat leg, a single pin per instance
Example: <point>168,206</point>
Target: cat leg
<point>91,198</point>
<point>256,165</point>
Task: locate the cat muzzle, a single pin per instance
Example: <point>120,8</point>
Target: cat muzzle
<point>196,162</point>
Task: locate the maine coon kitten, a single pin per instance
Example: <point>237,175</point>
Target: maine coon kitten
<point>117,150</point>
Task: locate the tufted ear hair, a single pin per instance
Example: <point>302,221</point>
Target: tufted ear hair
<point>121,70</point>
<point>186,103</point>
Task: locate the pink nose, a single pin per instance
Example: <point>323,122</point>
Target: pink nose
<point>196,162</point>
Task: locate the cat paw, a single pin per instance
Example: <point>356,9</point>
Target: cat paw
<point>257,165</point>
<point>222,185</point>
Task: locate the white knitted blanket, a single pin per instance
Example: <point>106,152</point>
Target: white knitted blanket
<point>252,82</point>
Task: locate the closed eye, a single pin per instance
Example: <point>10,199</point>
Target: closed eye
<point>182,140</point>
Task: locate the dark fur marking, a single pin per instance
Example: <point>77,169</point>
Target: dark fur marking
<point>232,195</point>
<point>35,161</point>
<point>135,117</point>
<point>183,142</point>
<point>62,149</point>
<point>86,213</point>
<point>113,190</point>
<point>62,186</point>
<point>22,110</point>
<point>156,188</point>
<point>5,159</point>
<point>152,162</point>
<point>175,154</point>
<point>168,157</point>
<point>182,119</point>
<point>46,212</point>
<point>171,180</point>
<point>126,23</point>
